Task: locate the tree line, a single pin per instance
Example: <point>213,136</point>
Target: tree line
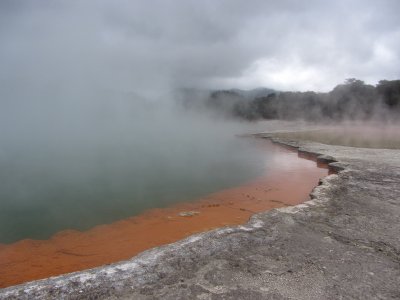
<point>351,100</point>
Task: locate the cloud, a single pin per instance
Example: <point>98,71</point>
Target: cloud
<point>158,45</point>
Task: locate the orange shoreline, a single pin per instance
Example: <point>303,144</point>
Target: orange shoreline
<point>288,183</point>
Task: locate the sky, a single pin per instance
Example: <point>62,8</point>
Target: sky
<point>152,46</point>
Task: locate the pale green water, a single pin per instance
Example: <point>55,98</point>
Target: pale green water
<point>368,135</point>
<point>78,177</point>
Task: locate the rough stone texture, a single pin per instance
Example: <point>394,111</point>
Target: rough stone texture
<point>342,244</point>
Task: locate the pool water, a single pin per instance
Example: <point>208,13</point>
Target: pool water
<point>52,182</point>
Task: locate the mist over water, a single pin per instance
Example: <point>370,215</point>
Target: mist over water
<point>64,165</point>
<point>89,132</point>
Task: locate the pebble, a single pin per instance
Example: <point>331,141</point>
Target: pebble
<point>188,213</point>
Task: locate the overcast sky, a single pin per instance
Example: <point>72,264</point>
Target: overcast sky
<point>157,45</point>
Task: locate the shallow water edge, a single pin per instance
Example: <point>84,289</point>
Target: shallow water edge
<point>289,183</point>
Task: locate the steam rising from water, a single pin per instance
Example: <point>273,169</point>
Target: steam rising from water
<point>371,134</point>
<point>77,163</point>
<point>86,122</point>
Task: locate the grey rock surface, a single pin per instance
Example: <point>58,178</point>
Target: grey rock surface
<point>342,244</point>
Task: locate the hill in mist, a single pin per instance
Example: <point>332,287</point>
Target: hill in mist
<point>352,100</point>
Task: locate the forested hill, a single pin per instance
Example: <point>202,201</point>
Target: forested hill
<point>351,100</point>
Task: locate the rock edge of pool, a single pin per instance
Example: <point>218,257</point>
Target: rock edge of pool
<point>342,244</point>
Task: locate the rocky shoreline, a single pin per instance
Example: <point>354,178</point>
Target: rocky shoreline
<point>342,244</point>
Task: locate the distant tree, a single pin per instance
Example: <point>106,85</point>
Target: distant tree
<point>267,107</point>
<point>390,92</point>
<point>353,99</point>
<point>353,81</point>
